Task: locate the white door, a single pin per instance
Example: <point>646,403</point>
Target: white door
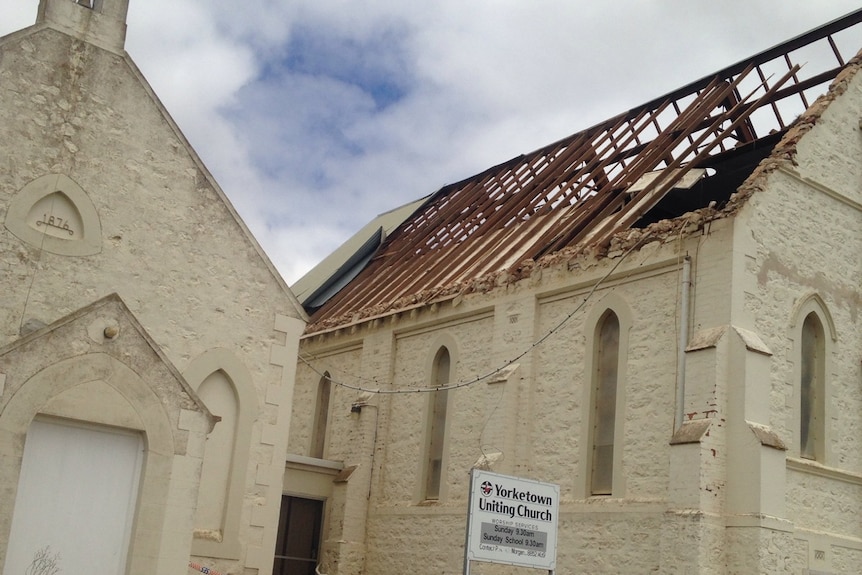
<point>76,500</point>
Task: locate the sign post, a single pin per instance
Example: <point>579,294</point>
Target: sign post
<point>511,521</point>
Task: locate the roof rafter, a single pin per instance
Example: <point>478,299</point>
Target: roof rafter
<point>573,193</point>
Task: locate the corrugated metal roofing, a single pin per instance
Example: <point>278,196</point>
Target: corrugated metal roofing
<point>580,191</point>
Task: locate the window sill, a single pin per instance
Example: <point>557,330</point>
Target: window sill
<point>814,468</point>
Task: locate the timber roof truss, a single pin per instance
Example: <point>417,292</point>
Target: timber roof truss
<point>583,189</point>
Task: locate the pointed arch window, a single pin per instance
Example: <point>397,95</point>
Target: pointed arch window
<point>321,416</point>
<point>811,388</point>
<point>604,404</point>
<point>436,436</point>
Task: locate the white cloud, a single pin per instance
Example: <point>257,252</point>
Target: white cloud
<point>315,115</point>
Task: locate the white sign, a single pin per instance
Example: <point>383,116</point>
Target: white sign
<point>512,521</point>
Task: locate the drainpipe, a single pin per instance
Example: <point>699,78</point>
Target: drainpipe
<point>683,343</point>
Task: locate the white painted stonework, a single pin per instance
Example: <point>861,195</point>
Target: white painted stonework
<point>100,194</point>
<point>728,492</point>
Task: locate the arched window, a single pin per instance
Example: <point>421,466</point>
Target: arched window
<point>813,334</point>
<point>321,415</point>
<point>604,404</point>
<point>436,435</point>
<point>811,388</point>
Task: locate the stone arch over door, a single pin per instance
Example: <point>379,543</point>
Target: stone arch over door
<point>79,389</point>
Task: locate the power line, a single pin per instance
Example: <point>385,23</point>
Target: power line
<point>482,377</point>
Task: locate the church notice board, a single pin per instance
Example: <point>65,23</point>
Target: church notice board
<point>512,520</point>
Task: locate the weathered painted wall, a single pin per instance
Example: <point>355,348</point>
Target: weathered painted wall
<point>167,241</point>
<point>170,246</point>
<point>534,413</point>
<point>804,250</point>
<point>727,492</point>
<point>730,492</point>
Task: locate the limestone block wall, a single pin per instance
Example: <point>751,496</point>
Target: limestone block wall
<point>562,380</point>
<point>802,253</point>
<point>166,240</point>
<point>469,408</point>
<point>530,419</point>
<point>342,424</point>
<point>735,497</point>
<point>73,371</point>
<point>821,260</point>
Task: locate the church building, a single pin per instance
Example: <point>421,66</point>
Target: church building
<point>658,314</point>
<point>148,346</point>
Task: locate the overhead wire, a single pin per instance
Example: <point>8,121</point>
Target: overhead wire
<point>465,383</point>
<point>37,260</point>
<point>551,332</point>
<point>495,371</point>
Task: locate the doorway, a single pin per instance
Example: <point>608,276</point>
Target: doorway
<point>297,548</point>
<point>76,500</point>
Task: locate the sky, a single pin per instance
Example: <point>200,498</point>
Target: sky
<point>316,115</point>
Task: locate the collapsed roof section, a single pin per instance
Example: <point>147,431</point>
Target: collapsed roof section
<point>686,150</point>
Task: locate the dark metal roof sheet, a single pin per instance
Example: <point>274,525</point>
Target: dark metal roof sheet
<point>583,189</point>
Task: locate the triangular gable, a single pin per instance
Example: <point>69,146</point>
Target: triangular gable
<point>44,25</point>
<point>300,311</point>
<point>98,369</point>
<point>106,327</point>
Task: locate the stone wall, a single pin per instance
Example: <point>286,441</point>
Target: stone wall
<point>166,240</point>
<point>802,253</point>
<point>728,492</point>
<point>529,418</point>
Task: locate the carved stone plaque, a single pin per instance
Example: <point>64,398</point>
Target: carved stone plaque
<point>54,213</point>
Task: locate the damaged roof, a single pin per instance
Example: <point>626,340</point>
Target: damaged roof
<point>687,150</point>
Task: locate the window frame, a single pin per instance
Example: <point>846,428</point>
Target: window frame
<point>605,384</point>
<point>433,487</point>
<point>227,545</point>
<point>812,307</point>
<point>811,387</point>
<point>320,425</point>
<point>610,303</point>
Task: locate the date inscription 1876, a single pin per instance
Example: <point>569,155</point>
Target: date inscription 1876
<point>55,222</point>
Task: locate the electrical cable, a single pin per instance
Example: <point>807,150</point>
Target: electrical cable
<point>37,260</point>
<point>482,377</point>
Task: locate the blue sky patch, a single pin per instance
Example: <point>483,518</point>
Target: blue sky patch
<point>377,65</point>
